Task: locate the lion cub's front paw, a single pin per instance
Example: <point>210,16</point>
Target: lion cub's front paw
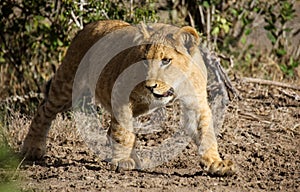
<point>220,167</point>
<point>123,164</point>
<point>33,149</point>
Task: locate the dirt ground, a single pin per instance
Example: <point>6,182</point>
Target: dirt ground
<point>261,134</point>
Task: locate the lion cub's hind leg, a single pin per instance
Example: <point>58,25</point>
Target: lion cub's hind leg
<point>58,99</point>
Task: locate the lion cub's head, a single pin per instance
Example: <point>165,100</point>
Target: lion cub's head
<point>169,54</point>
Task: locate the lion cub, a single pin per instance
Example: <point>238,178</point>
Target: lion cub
<point>169,66</point>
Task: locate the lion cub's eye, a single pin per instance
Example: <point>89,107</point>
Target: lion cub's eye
<point>166,61</point>
<point>145,61</point>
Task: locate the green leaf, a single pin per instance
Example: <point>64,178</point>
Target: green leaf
<point>288,29</point>
<point>248,31</point>
<point>60,43</point>
<point>2,60</point>
<point>215,31</point>
<point>205,4</point>
<point>294,63</point>
<point>226,28</point>
<point>234,12</point>
<point>223,21</point>
<point>281,52</point>
<point>283,68</point>
<point>271,37</point>
<point>243,40</point>
<point>28,27</point>
<point>256,9</point>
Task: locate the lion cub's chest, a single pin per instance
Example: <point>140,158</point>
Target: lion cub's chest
<point>142,101</point>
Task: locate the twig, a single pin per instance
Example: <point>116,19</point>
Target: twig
<point>251,116</point>
<point>268,82</point>
<point>76,20</point>
<point>291,95</point>
<point>131,9</point>
<point>230,59</point>
<point>201,15</point>
<point>82,3</point>
<point>208,19</point>
<point>18,168</point>
<point>105,14</point>
<point>191,20</point>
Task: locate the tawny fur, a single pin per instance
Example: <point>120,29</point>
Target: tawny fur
<point>159,46</point>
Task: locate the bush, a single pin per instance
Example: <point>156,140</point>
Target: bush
<point>34,35</point>
<point>228,27</point>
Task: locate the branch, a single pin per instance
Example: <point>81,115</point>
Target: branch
<point>76,20</point>
<point>268,82</point>
<point>191,20</point>
<point>105,14</point>
<point>201,15</point>
<point>229,59</point>
<point>208,20</point>
<point>292,95</point>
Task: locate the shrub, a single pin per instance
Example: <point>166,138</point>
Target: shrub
<point>35,34</point>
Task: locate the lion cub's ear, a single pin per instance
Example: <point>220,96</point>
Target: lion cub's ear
<point>188,37</point>
<point>143,32</point>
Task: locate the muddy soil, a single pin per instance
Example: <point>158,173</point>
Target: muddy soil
<point>261,134</point>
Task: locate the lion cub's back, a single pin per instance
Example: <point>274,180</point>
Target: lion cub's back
<point>83,41</point>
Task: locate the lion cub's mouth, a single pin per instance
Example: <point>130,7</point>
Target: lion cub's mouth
<point>168,93</point>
